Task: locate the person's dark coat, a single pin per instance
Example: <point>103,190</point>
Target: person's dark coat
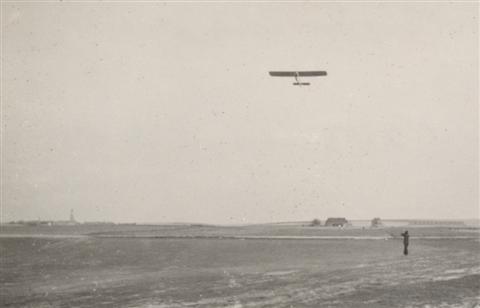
<point>405,242</point>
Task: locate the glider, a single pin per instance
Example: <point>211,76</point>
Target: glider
<point>298,74</point>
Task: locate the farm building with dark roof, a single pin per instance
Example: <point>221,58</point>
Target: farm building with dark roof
<point>336,222</point>
<point>376,222</point>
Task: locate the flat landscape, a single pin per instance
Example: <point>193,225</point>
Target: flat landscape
<point>160,266</point>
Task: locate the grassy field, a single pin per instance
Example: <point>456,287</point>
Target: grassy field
<point>261,230</point>
<point>206,272</point>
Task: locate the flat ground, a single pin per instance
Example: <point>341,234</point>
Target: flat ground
<point>261,230</point>
<point>206,272</point>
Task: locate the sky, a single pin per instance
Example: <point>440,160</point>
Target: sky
<point>165,112</point>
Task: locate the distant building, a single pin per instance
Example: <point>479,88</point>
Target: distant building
<point>336,222</point>
<point>436,223</point>
<point>100,223</point>
<point>63,223</point>
<point>38,222</point>
<point>376,222</point>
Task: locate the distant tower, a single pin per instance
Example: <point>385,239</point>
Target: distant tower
<point>72,218</point>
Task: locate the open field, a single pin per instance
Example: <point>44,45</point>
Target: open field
<point>206,272</point>
<point>213,231</point>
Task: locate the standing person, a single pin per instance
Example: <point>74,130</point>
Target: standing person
<point>405,242</point>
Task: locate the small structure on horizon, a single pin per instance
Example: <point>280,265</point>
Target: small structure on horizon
<point>70,222</point>
<point>38,222</point>
<point>376,222</point>
<point>336,222</point>
<point>72,218</point>
<point>425,222</point>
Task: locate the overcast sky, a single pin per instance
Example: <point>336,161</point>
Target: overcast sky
<point>166,113</point>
